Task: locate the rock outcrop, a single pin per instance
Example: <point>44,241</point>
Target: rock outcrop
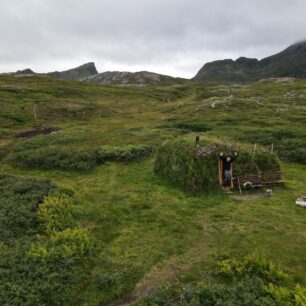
<point>289,63</point>
<point>132,78</point>
<point>76,74</point>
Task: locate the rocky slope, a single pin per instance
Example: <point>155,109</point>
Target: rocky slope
<point>76,74</point>
<point>289,63</point>
<point>129,78</point>
<point>25,72</point>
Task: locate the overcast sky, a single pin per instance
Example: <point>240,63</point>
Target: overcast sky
<point>174,37</point>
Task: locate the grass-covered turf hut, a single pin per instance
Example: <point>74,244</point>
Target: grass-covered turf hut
<point>195,169</point>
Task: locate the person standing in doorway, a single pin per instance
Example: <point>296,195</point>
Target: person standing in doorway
<point>227,167</point>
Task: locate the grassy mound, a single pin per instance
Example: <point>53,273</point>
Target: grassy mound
<point>56,152</point>
<point>196,170</point>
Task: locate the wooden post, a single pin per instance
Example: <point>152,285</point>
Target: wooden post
<point>272,148</point>
<point>232,181</point>
<point>255,145</point>
<point>197,141</point>
<point>220,169</point>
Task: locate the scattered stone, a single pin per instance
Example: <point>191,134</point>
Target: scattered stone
<point>290,94</point>
<point>206,151</point>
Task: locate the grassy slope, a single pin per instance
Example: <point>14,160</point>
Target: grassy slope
<point>145,231</point>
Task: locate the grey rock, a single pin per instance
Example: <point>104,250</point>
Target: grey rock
<point>290,63</point>
<point>76,74</point>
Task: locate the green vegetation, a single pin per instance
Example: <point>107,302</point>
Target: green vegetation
<point>249,281</point>
<point>50,152</point>
<point>195,170</point>
<point>105,227</point>
<point>41,252</point>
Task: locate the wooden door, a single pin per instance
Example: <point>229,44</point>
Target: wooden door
<point>220,169</point>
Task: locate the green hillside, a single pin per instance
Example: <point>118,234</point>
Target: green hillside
<point>86,221</point>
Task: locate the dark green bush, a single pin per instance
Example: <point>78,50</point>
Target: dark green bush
<point>251,280</point>
<point>38,269</point>
<point>249,291</point>
<point>192,126</point>
<point>19,199</point>
<point>188,126</point>
<point>66,158</point>
<point>124,154</point>
<point>63,158</point>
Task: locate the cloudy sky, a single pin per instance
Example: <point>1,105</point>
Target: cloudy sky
<point>173,37</point>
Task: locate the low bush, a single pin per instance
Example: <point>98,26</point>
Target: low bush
<point>62,245</point>
<point>38,269</point>
<point>189,126</point>
<point>251,265</point>
<point>66,158</point>
<point>19,200</point>
<point>123,154</point>
<point>55,213</point>
<point>249,281</point>
<point>192,126</point>
<point>62,158</point>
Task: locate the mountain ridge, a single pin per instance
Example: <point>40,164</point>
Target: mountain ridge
<point>291,62</point>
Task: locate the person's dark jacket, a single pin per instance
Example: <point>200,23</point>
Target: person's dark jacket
<point>227,164</point>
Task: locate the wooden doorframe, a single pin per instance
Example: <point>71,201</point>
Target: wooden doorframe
<point>220,172</point>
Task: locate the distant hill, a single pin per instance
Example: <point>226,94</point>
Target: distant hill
<point>289,63</point>
<point>89,73</point>
<point>76,74</point>
<point>132,78</point>
<point>25,71</point>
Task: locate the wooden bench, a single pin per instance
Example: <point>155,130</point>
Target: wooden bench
<point>270,178</point>
<point>253,181</point>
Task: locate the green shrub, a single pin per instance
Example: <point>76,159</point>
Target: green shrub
<point>55,213</point>
<point>66,158</point>
<point>249,291</point>
<point>251,280</point>
<point>192,126</point>
<point>66,244</point>
<point>124,154</point>
<point>285,296</point>
<point>189,126</point>
<point>251,265</point>
<point>19,199</point>
<point>62,158</point>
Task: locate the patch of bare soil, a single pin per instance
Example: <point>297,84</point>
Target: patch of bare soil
<point>251,196</point>
<point>35,131</point>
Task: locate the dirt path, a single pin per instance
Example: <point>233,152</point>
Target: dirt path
<point>166,271</point>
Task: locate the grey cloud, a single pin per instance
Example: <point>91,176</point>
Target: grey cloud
<point>173,36</point>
